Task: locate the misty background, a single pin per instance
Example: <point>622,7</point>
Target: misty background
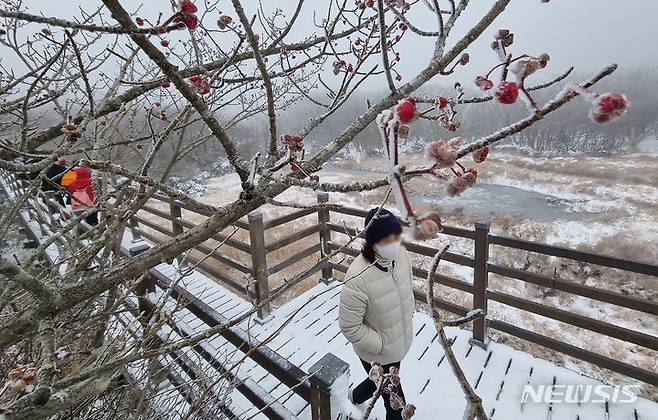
<point>586,34</point>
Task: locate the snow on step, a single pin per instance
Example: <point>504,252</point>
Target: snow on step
<point>498,373</point>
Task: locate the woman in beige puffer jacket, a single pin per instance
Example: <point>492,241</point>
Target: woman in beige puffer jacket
<point>377,304</point>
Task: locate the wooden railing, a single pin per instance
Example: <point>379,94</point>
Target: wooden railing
<point>481,292</point>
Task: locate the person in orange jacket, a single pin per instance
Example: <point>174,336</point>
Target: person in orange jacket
<point>79,184</point>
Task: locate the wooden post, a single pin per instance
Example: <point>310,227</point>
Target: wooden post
<point>480,279</point>
<point>134,229</point>
<point>330,379</point>
<point>325,238</point>
<point>259,264</point>
<point>176,213</point>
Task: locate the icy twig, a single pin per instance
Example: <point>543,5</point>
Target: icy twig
<point>474,402</point>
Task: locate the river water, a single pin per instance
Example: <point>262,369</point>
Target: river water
<point>486,200</point>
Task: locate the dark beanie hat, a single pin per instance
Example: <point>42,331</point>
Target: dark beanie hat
<point>386,223</point>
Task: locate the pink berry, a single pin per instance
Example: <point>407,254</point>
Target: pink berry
<point>293,142</point>
<point>199,84</point>
<point>440,154</point>
<point>188,6</point>
<point>483,83</point>
<point>609,106</point>
<point>507,92</point>
<point>480,155</point>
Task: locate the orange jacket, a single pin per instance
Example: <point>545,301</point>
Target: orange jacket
<point>82,182</point>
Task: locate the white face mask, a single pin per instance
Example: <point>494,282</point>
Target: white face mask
<point>389,251</point>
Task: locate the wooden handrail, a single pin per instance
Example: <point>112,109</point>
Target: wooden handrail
<point>290,239</point>
<point>306,252</point>
<point>232,242</point>
<point>160,213</point>
<point>287,218</point>
<point>412,247</point>
<point>572,318</point>
<point>480,290</point>
<point>224,259</point>
<point>155,226</point>
<point>447,230</point>
<point>571,254</point>
<point>419,272</point>
<point>618,299</point>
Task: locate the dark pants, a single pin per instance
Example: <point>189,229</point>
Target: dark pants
<point>92,219</point>
<point>366,389</point>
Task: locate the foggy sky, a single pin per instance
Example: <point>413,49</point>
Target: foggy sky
<point>586,33</point>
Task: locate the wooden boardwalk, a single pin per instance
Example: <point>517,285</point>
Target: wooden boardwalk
<point>305,329</point>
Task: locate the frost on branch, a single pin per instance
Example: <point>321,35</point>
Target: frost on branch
<point>294,145</point>
<point>388,383</point>
<point>440,155</point>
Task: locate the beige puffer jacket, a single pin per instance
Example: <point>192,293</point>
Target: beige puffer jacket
<point>376,309</point>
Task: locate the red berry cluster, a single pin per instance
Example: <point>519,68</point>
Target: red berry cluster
<point>428,226</point>
<point>224,21</point>
<point>449,123</point>
<point>440,154</point>
<point>362,4</point>
<point>507,92</point>
<point>187,14</point>
<point>480,155</point>
<point>293,142</point>
<point>461,181</point>
<point>441,102</point>
<point>342,65</point>
<point>199,84</point>
<point>71,131</point>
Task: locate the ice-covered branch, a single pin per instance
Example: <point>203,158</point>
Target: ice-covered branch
<point>561,99</point>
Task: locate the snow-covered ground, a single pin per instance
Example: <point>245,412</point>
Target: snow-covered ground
<point>607,205</point>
